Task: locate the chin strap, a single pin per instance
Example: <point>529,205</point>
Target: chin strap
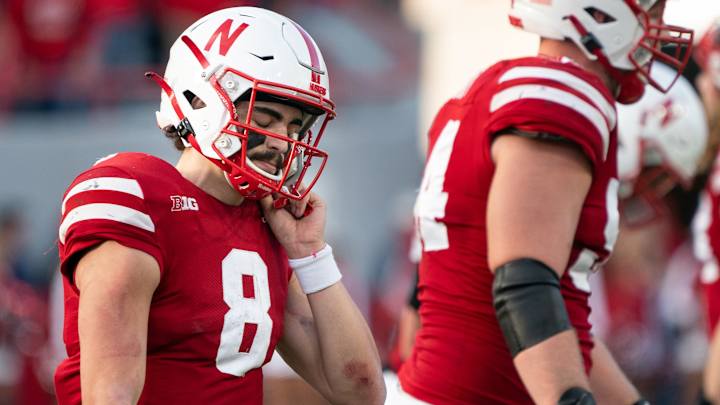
<point>169,93</point>
<point>630,86</point>
<point>184,128</point>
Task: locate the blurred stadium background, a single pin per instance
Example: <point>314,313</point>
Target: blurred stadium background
<point>72,90</point>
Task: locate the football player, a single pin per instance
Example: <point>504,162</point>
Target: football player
<point>518,204</point>
<point>706,224</point>
<point>180,281</point>
<point>662,141</point>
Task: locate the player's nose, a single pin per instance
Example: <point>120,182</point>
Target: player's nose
<point>277,144</point>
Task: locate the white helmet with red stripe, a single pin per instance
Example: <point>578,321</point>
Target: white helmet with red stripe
<point>662,136</point>
<point>620,34</point>
<point>253,54</point>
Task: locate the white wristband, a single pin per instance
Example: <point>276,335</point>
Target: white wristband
<point>317,271</point>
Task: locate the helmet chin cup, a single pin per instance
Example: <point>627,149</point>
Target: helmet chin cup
<point>630,88</point>
<point>247,186</point>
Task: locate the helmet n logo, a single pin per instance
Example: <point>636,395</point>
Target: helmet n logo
<point>226,39</point>
<point>666,113</point>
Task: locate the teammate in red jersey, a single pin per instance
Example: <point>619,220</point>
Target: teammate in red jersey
<point>706,224</point>
<point>181,281</point>
<point>519,203</point>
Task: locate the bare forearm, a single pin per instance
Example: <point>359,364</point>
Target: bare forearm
<point>350,359</point>
<point>609,384</point>
<point>711,376</point>
<point>112,363</point>
<point>408,326</point>
<point>551,367</point>
<point>116,380</point>
<point>116,287</point>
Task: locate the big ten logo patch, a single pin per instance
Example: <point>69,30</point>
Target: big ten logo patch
<point>183,203</point>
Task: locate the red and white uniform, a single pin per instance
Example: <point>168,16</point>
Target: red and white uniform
<point>460,355</point>
<point>706,241</point>
<point>217,313</point>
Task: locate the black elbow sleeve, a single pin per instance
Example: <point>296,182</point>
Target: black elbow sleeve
<point>528,303</point>
<point>413,299</point>
<point>576,396</point>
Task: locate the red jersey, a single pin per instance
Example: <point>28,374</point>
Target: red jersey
<point>706,243</point>
<point>460,355</point>
<point>217,313</point>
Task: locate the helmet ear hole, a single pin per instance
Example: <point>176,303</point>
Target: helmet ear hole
<point>195,102</point>
<point>599,16</point>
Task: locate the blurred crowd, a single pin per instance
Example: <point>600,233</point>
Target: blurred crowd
<point>64,55</point>
<point>85,53</point>
<point>61,55</point>
<point>25,375</point>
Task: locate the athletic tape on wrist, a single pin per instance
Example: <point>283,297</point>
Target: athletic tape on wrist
<point>317,271</point>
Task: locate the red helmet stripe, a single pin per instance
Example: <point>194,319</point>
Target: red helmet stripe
<point>196,51</point>
<point>314,58</point>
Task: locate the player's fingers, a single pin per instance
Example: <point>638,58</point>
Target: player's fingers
<point>298,206</point>
<point>267,204</point>
<point>315,200</point>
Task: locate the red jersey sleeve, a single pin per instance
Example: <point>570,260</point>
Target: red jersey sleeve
<point>104,203</point>
<point>706,240</point>
<point>558,99</point>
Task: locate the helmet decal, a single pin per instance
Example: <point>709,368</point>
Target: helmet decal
<point>226,39</point>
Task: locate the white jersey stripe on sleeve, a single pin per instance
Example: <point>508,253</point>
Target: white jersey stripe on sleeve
<point>612,225</point>
<point>701,240</point>
<point>567,79</point>
<point>123,185</point>
<point>700,225</point>
<point>112,212</point>
<point>558,96</point>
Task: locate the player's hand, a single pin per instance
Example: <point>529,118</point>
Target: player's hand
<point>300,235</point>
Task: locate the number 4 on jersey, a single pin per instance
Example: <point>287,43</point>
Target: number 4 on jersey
<point>431,201</point>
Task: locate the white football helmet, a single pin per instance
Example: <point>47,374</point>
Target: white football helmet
<point>664,134</point>
<point>618,33</point>
<point>253,54</point>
